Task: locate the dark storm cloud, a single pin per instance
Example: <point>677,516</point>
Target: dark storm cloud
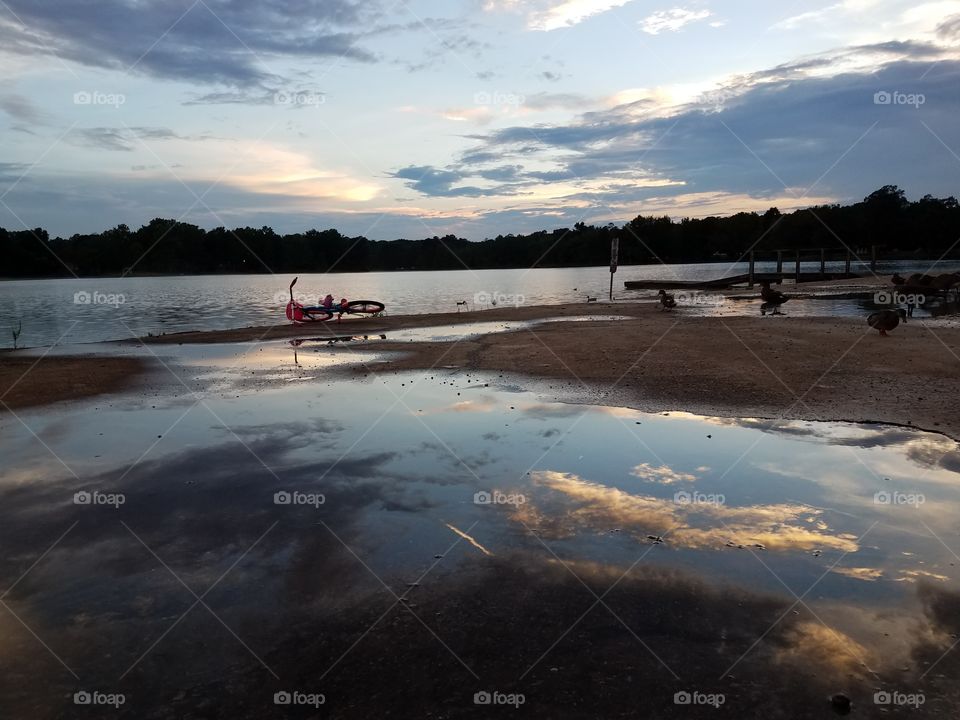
<point>231,42</point>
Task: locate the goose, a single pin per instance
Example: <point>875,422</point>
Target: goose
<point>772,299</point>
<point>666,301</point>
<point>887,320</point>
<point>770,295</point>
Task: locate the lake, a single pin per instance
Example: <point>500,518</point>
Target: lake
<point>95,309</point>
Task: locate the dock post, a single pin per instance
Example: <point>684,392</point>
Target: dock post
<point>780,262</point>
<point>823,263</point>
<point>797,278</point>
<point>847,269</point>
<point>873,258</point>
<point>751,268</point>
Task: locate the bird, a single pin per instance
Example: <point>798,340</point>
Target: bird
<point>666,301</point>
<point>591,299</point>
<point>887,320</point>
<point>771,298</point>
<point>898,279</point>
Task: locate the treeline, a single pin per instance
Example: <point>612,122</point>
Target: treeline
<point>928,227</point>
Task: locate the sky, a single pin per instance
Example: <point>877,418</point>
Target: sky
<point>414,118</point>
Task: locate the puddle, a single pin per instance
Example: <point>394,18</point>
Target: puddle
<point>460,331</point>
<point>418,538</point>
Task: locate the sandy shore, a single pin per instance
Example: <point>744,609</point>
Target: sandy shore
<point>802,368</point>
<point>30,381</point>
<point>809,368</point>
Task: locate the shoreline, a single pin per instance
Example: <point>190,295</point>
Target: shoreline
<point>29,382</point>
<point>797,368</point>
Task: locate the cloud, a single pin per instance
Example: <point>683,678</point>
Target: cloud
<point>440,50</point>
<point>591,507</point>
<point>662,474</point>
<point>672,20</point>
<point>772,133</point>
<point>491,105</point>
<point>549,15</point>
<point>122,139</point>
<point>215,41</point>
<point>824,15</point>
<point>22,109</point>
<point>551,101</point>
<point>949,29</point>
<point>437,182</point>
<point>258,96</point>
<point>611,158</point>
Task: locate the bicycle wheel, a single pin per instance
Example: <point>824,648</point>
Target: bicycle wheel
<point>317,314</point>
<point>366,307</point>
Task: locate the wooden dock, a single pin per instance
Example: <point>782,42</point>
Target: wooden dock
<point>751,277</point>
<point>732,280</point>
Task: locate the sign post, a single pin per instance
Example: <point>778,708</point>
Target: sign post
<point>614,252</point>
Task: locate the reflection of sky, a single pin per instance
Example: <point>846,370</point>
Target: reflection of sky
<point>399,459</point>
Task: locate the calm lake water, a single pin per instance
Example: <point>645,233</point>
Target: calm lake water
<point>402,544</point>
<point>88,310</point>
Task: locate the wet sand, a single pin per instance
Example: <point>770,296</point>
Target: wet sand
<point>31,381</point>
<point>773,366</point>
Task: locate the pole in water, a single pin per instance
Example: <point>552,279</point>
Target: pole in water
<point>614,253</point>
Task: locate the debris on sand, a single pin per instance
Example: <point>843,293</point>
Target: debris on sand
<point>841,703</point>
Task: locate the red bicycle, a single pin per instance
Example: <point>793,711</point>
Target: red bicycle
<point>299,313</point>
